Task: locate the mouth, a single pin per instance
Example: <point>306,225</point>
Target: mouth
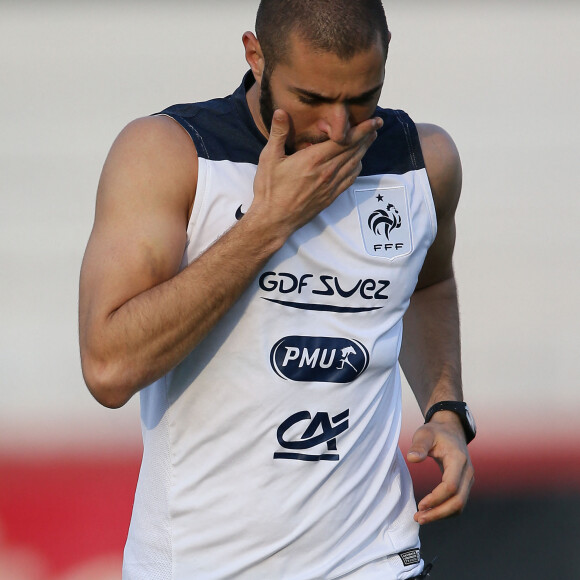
<point>309,141</point>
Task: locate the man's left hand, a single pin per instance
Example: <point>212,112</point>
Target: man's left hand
<point>443,440</point>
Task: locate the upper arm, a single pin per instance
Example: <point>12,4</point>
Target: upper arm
<point>445,176</point>
<point>143,202</point>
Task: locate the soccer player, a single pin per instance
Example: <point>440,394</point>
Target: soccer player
<point>251,263</point>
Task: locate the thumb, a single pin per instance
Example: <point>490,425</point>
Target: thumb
<point>421,445</point>
<point>279,131</point>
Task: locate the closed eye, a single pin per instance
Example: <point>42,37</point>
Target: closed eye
<point>313,101</point>
<point>364,100</point>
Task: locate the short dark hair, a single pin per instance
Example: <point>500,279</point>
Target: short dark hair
<point>342,27</point>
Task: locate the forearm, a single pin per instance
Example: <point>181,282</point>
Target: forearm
<point>152,332</point>
<point>431,352</point>
<point>138,316</point>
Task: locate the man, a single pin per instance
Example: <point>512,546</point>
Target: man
<point>249,267</point>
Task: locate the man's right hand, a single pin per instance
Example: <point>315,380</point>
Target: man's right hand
<point>290,190</point>
<point>139,315</point>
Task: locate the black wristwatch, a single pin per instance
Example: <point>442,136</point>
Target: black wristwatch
<point>461,410</point>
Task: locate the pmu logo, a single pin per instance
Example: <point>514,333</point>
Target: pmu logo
<point>301,431</point>
<point>389,218</point>
<point>319,359</point>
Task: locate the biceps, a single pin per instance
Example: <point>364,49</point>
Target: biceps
<point>124,259</point>
<point>143,201</point>
<point>438,265</point>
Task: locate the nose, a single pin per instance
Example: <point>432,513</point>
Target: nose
<point>335,122</point>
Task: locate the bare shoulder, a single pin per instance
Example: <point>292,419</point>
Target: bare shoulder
<point>144,197</point>
<point>157,129</point>
<point>151,156</point>
<point>443,166</point>
<point>444,171</point>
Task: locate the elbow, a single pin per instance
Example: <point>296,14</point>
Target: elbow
<point>105,383</point>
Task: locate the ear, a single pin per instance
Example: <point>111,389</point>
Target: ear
<point>254,55</point>
<point>388,43</point>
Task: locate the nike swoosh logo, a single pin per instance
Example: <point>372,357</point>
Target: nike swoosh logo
<point>239,213</point>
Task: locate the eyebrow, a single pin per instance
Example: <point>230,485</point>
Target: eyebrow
<point>321,98</point>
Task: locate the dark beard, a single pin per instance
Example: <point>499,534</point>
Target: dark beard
<point>266,101</point>
<point>267,108</point>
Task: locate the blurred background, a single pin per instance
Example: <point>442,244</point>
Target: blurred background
<point>502,77</point>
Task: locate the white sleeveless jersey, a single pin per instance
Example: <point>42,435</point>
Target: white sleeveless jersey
<point>271,452</point>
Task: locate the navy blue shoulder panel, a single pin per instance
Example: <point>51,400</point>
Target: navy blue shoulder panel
<point>397,149</point>
<point>223,129</point>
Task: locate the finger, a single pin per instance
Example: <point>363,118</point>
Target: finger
<point>341,164</point>
<point>448,498</point>
<point>349,166</point>
<point>361,131</point>
<point>449,508</point>
<point>349,161</point>
<point>279,133</point>
<point>450,485</point>
<point>423,441</point>
<point>456,468</point>
<point>346,177</point>
<point>359,139</point>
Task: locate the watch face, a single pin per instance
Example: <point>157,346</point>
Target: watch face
<point>470,419</point>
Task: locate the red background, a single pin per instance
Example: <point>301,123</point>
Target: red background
<point>69,511</point>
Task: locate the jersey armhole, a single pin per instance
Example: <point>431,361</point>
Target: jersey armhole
<point>200,186</point>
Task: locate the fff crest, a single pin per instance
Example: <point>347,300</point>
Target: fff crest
<point>384,221</point>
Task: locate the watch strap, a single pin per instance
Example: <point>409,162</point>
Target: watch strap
<point>461,410</point>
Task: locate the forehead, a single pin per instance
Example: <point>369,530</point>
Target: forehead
<point>327,74</point>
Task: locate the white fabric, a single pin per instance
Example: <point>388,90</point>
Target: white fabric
<point>214,501</point>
